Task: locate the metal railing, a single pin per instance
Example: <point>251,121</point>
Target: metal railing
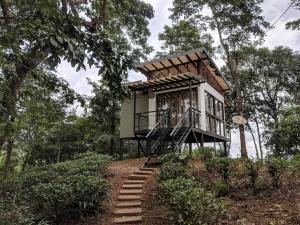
<point>191,118</point>
<point>147,120</point>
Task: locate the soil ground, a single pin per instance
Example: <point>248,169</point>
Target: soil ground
<point>268,207</point>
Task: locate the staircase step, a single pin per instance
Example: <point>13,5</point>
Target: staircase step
<point>128,220</point>
<point>129,197</point>
<point>143,172</point>
<point>125,204</point>
<point>135,182</point>
<point>138,177</point>
<point>128,211</point>
<point>132,186</point>
<point>147,169</point>
<point>153,163</point>
<point>130,192</point>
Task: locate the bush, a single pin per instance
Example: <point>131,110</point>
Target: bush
<point>295,164</point>
<point>171,171</point>
<point>52,192</point>
<point>175,158</point>
<point>204,153</point>
<point>252,169</point>
<point>221,166</point>
<point>221,188</point>
<point>191,204</point>
<point>276,167</point>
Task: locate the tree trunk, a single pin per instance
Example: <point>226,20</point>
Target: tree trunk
<point>10,102</point>
<point>255,145</point>
<point>25,161</point>
<point>259,139</point>
<point>9,148</point>
<point>112,128</point>
<point>276,139</point>
<point>2,140</point>
<point>236,80</point>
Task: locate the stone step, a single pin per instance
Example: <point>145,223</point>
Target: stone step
<point>130,192</point>
<point>152,163</point>
<point>143,172</point>
<point>125,204</point>
<point>138,177</point>
<point>136,211</point>
<point>132,186</point>
<point>129,197</point>
<point>147,169</point>
<point>134,182</point>
<point>128,220</point>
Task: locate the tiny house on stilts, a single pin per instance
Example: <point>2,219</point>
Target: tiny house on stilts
<point>182,101</point>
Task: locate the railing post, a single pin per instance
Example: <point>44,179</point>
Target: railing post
<point>190,84</point>
<point>134,109</point>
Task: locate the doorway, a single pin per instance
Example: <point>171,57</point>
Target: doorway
<point>177,102</point>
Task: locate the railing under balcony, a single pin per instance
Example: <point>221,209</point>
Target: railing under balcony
<point>147,120</point>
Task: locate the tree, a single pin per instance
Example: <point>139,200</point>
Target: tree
<point>288,131</point>
<point>41,112</point>
<point>43,32</point>
<point>270,78</point>
<point>236,22</point>
<point>295,24</point>
<point>183,36</point>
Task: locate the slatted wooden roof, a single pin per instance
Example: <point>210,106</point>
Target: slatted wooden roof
<point>165,83</point>
<point>184,58</point>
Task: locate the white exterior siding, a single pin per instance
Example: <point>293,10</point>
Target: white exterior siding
<point>205,87</point>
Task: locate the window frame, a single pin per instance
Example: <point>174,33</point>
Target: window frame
<point>215,116</point>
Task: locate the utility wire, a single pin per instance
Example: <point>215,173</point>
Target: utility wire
<point>271,26</point>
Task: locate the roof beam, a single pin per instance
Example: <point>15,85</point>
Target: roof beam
<point>175,66</point>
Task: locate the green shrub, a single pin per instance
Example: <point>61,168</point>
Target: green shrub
<point>75,194</point>
<point>204,153</point>
<point>221,188</point>
<point>276,167</point>
<point>260,184</point>
<point>191,204</point>
<point>172,171</point>
<point>221,166</point>
<point>295,164</point>
<point>252,169</point>
<point>175,158</point>
<point>50,193</point>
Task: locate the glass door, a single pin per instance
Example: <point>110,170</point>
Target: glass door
<point>177,102</point>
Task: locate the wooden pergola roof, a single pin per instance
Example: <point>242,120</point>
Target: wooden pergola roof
<point>199,54</point>
<point>166,83</point>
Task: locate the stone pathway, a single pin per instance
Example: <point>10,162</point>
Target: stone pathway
<point>128,208</point>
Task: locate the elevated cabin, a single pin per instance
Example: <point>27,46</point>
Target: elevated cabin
<point>182,101</point>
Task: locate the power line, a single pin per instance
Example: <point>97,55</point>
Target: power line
<point>271,26</point>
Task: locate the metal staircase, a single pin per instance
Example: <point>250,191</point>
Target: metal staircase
<point>165,139</point>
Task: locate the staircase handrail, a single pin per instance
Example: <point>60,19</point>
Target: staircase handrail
<point>165,114</point>
<point>179,124</point>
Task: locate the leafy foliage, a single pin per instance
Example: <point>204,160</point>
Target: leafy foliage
<point>171,170</point>
<point>270,83</point>
<point>295,24</point>
<point>204,153</point>
<point>191,204</point>
<point>183,36</point>
<point>221,166</point>
<point>276,168</point>
<point>50,193</point>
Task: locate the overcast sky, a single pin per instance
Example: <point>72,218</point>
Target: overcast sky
<point>272,9</point>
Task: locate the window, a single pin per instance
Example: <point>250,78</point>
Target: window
<point>214,115</point>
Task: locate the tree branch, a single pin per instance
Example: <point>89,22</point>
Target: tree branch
<point>64,6</point>
<point>5,12</point>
